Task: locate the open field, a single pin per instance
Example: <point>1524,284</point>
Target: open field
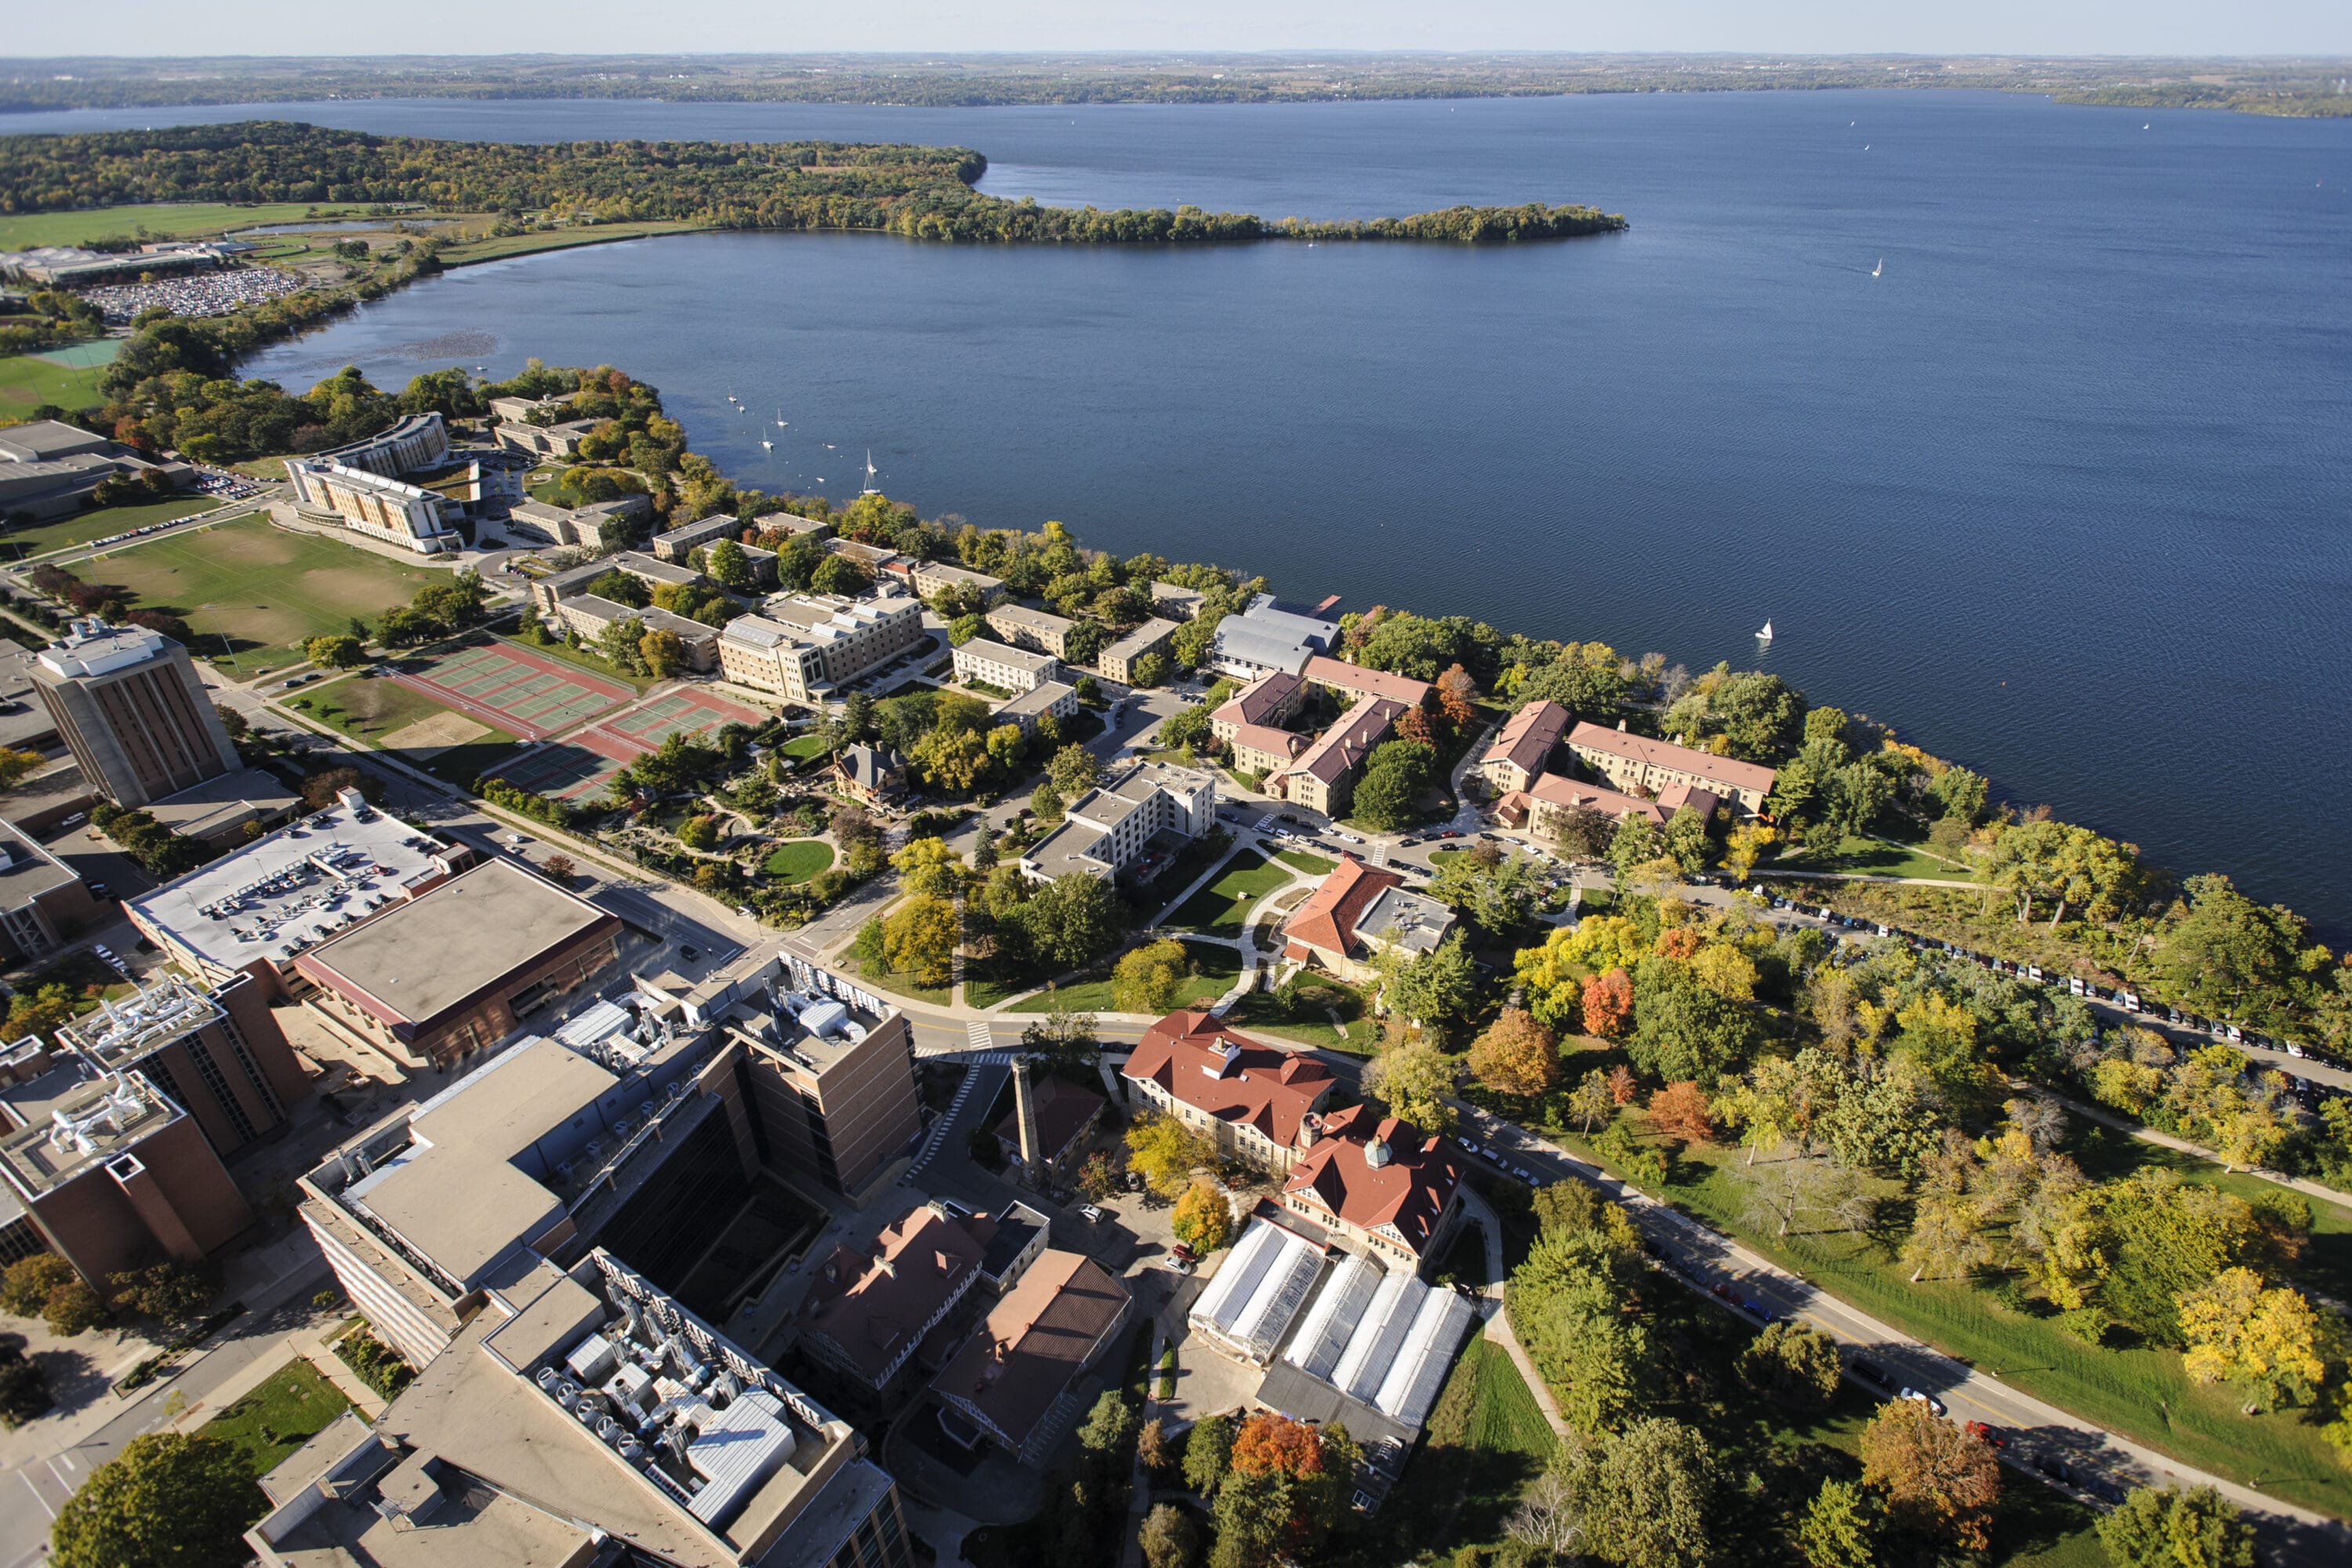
<point>39,538</point>
<point>798,860</point>
<point>403,720</point>
<point>1871,857</point>
<point>281,1416</point>
<point>27,380</point>
<point>258,588</point>
<point>558,239</point>
<point>1222,906</point>
<point>1487,1440</point>
<point>22,231</point>
<point>1301,861</point>
<point>1309,1024</point>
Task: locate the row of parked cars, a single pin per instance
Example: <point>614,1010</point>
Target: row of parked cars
<point>2116,997</point>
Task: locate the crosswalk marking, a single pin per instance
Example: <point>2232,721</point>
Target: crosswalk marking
<point>977,1031</point>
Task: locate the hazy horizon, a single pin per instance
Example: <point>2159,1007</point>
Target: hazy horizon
<point>2087,29</point>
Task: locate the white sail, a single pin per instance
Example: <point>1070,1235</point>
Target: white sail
<point>1765,635</point>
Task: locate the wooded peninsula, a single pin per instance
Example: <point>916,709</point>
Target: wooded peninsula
<point>920,192</point>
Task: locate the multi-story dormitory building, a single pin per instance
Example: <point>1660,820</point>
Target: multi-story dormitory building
<point>804,647</point>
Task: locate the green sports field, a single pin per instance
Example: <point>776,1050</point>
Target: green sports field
<point>252,592</point>
<point>174,220</point>
<point>63,377</point>
<point>39,538</point>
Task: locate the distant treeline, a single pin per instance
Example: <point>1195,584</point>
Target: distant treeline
<point>922,193</point>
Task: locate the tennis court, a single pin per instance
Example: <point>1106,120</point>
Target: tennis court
<point>579,766</point>
<point>533,697</point>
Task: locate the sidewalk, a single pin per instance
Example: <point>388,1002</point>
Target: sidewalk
<point>1498,1321</point>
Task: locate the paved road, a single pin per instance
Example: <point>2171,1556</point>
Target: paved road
<point>34,1490</point>
<point>1706,1259</point>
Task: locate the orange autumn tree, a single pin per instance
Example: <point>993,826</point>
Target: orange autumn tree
<point>1455,691</point>
<point>1608,1004</point>
<point>1284,1485</point>
<point>1683,1110</point>
<point>1517,1056</point>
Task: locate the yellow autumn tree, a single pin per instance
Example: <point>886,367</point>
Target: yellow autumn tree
<point>2269,1342</point>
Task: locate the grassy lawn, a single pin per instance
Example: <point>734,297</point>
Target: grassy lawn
<point>803,747</point>
<point>260,588</point>
<point>2140,1392</point>
<point>1872,857</point>
<point>798,860</point>
<point>558,239</point>
<point>1215,969</point>
<point>1222,906</point>
<point>1313,865</point>
<point>162,220</point>
<point>279,1415</point>
<point>889,979</point>
<point>27,380</point>
<point>1310,1021</point>
<point>60,533</point>
<point>1487,1440</point>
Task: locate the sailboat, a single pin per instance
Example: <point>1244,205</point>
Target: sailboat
<point>1765,635</point>
<point>780,419</point>
<point>771,446</point>
<point>1880,267</point>
<point>870,489</point>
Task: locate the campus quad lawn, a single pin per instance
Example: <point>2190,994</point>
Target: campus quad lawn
<point>264,590</point>
<point>2140,1392</point>
<point>284,1413</point>
<point>798,860</point>
<point>1310,1024</point>
<point>1219,967</point>
<point>58,533</point>
<point>1872,857</point>
<point>1222,907</point>
<point>1313,865</point>
<point>804,746</point>
<point>890,980</point>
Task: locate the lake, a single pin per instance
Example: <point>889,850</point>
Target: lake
<point>2063,494</point>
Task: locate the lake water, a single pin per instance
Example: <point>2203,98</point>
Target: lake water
<point>2066,493</point>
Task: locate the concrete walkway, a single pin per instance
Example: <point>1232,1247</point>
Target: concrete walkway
<point>2167,1140</point>
<point>1498,1321</point>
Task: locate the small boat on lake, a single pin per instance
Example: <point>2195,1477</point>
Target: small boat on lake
<point>1765,635</point>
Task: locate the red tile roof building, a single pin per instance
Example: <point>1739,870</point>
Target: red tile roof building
<point>866,1312</point>
<point>1253,1098</point>
<point>1545,806</point>
<point>1379,1185</point>
<point>1517,758</point>
<point>1334,925</point>
<point>1323,778</point>
<point>1357,682</point>
<point>1251,724</point>
<point>1016,1379</point>
<point>1640,765</point>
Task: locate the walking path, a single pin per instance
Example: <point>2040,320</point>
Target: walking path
<point>1499,1321</point>
<point>2167,1140</point>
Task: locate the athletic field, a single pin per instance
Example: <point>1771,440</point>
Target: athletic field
<point>510,688</point>
<point>579,766</point>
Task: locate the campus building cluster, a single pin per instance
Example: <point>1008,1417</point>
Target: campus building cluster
<point>48,469</point>
<point>1646,778</point>
<point>408,486</point>
<point>1128,825</point>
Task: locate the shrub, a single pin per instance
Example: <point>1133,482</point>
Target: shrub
<point>378,1365</point>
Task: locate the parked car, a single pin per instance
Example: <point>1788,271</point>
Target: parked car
<point>1175,1265</point>
<point>1522,1172</point>
<point>1989,1436</point>
<point>1091,1215</point>
<point>1471,1146</point>
<point>1870,1372</point>
<point>1920,1396</point>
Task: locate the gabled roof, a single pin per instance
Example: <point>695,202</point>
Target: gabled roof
<point>1322,670</point>
<point>1228,1075</point>
<point>870,1306</point>
<point>1406,1191</point>
<point>1254,702</point>
<point>1272,741</point>
<point>1528,739</point>
<point>1345,744</point>
<point>1037,1341</point>
<point>1327,920</point>
<point>1675,797</point>
<point>1558,789</point>
<point>1666,754</point>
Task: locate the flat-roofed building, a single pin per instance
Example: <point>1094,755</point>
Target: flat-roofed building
<point>1117,661</point>
<point>805,647</point>
<point>222,811</point>
<point>548,594</point>
<point>544,440</point>
<point>1253,1098</point>
<point>543,1151</point>
<point>444,977</point>
<point>867,1312</point>
<point>48,468</point>
<point>215,1049</point>
<point>1640,765</point>
<point>1518,756</point>
<point>419,441</point>
<point>1016,1382</point>
<point>252,911</point>
<point>1377,1185</point>
<point>112,1173</point>
<point>129,707</point>
<point>1324,776</point>
<point>390,510</point>
<point>833,1075</point>
<point>1128,826</point>
<point>1010,670</point>
<point>1351,683</point>
<point>1176,604</point>
<point>25,724</point>
<point>586,1417</point>
<point>932,578</point>
<point>44,903</point>
<point>1040,630</point>
<point>587,616</point>
<point>1266,637</point>
<point>1052,698</point>
<point>675,544</point>
<point>581,526</point>
<point>790,524</point>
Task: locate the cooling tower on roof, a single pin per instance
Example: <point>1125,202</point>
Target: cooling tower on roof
<point>824,1019</point>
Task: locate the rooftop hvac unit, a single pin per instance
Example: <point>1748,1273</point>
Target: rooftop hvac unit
<point>547,1379</point>
<point>633,1451</point>
<point>595,1148</point>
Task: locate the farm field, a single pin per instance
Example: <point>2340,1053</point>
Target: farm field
<point>39,538</point>
<point>261,590</point>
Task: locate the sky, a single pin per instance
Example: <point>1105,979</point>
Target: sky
<point>1796,26</point>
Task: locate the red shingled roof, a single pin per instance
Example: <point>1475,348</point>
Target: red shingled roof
<point>1666,754</point>
<point>1408,1192</point>
<point>1322,670</point>
<point>1261,697</point>
<point>1528,739</point>
<point>1327,920</point>
<point>1228,1075</point>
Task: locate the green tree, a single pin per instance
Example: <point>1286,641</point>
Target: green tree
<point>1206,1451</point>
<point>72,1308</point>
<point>1073,921</point>
<point>726,564</point>
<point>1074,771</point>
<point>2173,1528</point>
<point>23,1388</point>
<point>1146,979</point>
<point>166,1501</point>
<point>662,652</point>
<point>699,833</point>
<point>1649,1493</point>
<point>1682,1029</point>
<point>1394,777</point>
<point>1437,989</point>
<point>1170,1539</point>
<point>620,642</point>
<point>25,1289</point>
<point>840,575</point>
<point>920,937</point>
<point>1414,1080</point>
<point>1687,841</point>
<point>1841,1528</point>
<point>1792,1362</point>
<point>340,652</point>
<point>1497,892</point>
<point>1149,670</point>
